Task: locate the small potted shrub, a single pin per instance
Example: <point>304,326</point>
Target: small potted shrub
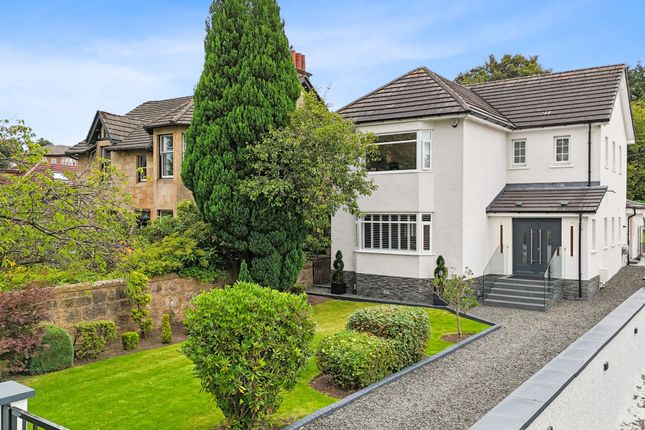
<point>440,275</point>
<point>338,285</point>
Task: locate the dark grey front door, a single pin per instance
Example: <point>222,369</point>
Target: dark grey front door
<point>534,243</point>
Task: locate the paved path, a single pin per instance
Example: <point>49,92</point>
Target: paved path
<point>456,391</point>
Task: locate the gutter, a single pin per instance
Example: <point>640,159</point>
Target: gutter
<point>579,255</point>
<point>629,223</point>
<point>589,157</point>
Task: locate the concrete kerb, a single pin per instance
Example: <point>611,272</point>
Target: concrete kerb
<point>327,410</point>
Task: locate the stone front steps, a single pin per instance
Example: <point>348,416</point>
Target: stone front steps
<point>522,293</point>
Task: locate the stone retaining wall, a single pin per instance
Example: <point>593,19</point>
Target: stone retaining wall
<point>106,300</point>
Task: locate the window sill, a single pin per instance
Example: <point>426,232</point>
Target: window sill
<point>394,172</point>
<point>167,178</point>
<point>518,167</point>
<point>561,165</point>
<point>393,252</point>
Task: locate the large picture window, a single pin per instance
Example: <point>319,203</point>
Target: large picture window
<point>395,152</point>
<point>165,156</point>
<point>396,232</point>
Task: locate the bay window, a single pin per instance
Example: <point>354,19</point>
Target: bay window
<point>395,232</point>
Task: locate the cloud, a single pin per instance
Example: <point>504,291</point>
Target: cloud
<point>57,93</point>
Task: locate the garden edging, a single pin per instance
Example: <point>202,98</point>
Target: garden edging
<point>327,410</point>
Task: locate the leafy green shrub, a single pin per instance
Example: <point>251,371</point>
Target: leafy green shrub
<point>407,327</point>
<point>440,274</point>
<point>248,344</point>
<point>91,337</point>
<point>56,351</point>
<point>166,329</point>
<point>136,290</point>
<point>354,359</point>
<point>130,340</point>
<point>203,274</point>
<point>459,293</point>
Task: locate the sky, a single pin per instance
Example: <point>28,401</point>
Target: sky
<point>61,61</point>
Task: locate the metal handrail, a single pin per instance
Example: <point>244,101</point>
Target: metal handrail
<point>486,268</point>
<point>547,272</point>
<point>27,417</point>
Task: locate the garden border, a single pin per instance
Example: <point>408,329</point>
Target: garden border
<point>327,410</point>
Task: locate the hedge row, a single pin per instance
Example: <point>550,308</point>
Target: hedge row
<point>378,341</point>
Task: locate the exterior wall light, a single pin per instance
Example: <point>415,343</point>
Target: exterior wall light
<point>606,366</point>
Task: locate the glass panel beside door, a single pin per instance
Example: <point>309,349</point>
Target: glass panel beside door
<point>534,243</point>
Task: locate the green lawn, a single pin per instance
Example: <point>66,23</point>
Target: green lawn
<point>156,388</point>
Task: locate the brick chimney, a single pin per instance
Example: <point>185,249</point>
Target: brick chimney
<point>298,60</point>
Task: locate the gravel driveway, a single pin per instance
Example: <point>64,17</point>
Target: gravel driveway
<point>456,391</point>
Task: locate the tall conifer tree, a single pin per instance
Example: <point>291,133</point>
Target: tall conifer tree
<point>248,85</point>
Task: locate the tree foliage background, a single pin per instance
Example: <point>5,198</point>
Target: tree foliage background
<point>509,66</point>
<point>84,219</point>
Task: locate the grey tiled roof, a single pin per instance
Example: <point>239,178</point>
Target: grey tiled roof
<point>132,130</point>
<point>574,97</point>
<point>56,150</point>
<point>546,198</point>
<point>631,204</point>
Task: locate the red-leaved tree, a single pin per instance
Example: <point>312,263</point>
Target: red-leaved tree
<point>21,315</point>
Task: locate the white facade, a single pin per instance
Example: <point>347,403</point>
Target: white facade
<point>471,162</point>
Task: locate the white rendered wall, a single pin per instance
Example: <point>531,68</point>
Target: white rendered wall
<point>597,399</point>
<point>484,170</point>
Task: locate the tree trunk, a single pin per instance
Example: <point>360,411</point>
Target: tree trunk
<point>458,322</point>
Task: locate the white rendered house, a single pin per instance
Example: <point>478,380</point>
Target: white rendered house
<point>517,180</point>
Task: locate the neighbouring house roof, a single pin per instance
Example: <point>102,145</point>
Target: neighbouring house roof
<point>133,131</point>
<point>572,197</point>
<point>56,150</point>
<point>631,204</point>
<point>574,97</point>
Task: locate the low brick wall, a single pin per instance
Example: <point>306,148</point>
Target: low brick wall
<point>106,300</point>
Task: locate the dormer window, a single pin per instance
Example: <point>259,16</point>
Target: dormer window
<point>395,152</point>
<point>562,150</point>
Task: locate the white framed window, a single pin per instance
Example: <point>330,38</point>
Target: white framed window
<point>395,232</point>
<point>593,235</point>
<point>620,226</point>
<point>620,160</point>
<point>613,156</point>
<point>519,152</point>
<point>183,146</point>
<point>395,152</point>
<point>606,153</point>
<point>606,241</point>
<point>561,149</point>
<point>426,145</point>
<point>142,168</point>
<point>613,231</point>
<point>165,156</point>
<point>426,231</point>
<point>164,212</point>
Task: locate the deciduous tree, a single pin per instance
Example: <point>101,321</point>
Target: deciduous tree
<point>509,66</point>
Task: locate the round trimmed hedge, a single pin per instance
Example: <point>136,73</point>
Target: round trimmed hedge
<point>407,327</point>
<point>354,359</point>
<point>56,351</point>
